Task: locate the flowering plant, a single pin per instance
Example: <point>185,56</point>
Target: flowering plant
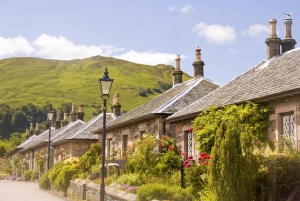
<point>166,144</point>
<point>40,158</point>
<point>196,170</point>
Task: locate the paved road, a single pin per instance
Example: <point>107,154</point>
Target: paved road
<point>26,191</point>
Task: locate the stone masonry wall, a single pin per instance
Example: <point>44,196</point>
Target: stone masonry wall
<point>76,193</point>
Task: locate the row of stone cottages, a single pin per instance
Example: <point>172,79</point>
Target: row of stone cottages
<point>274,81</point>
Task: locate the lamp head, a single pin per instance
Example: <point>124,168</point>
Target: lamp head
<point>50,113</point>
<point>105,84</point>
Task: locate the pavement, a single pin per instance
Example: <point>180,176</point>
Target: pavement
<point>26,191</point>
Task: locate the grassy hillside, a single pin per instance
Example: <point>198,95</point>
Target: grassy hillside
<point>35,80</point>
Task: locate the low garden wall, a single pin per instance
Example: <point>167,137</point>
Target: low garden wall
<point>87,190</point>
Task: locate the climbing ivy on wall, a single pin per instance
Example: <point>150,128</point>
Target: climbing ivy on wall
<point>252,118</point>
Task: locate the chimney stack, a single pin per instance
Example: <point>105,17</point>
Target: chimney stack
<point>73,113</point>
<point>80,113</point>
<point>65,121</point>
<point>27,134</point>
<point>116,107</point>
<point>177,74</point>
<point>37,129</point>
<point>273,42</point>
<point>31,129</point>
<point>57,122</point>
<point>288,43</point>
<point>198,64</point>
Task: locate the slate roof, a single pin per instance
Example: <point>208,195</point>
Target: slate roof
<point>280,74</point>
<point>39,139</point>
<point>55,134</point>
<point>83,132</point>
<point>170,101</point>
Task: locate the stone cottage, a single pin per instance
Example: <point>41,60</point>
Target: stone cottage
<point>150,117</point>
<point>274,81</point>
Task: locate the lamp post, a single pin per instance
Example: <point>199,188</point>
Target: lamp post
<point>105,84</point>
<point>50,114</point>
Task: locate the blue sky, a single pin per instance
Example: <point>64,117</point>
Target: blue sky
<point>231,34</point>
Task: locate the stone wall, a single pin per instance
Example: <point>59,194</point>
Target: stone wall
<point>76,192</point>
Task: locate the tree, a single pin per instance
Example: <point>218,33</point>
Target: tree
<point>19,119</point>
<point>228,132</point>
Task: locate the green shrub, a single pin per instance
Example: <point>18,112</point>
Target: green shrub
<point>130,179</point>
<point>169,163</point>
<point>62,182</point>
<point>90,158</point>
<point>27,175</point>
<point>149,192</point>
<point>34,175</point>
<point>54,171</point>
<point>279,177</point>
<point>44,181</point>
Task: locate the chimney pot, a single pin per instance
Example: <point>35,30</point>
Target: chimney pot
<point>116,107</point>
<point>177,74</point>
<point>288,43</point>
<point>198,64</point>
<point>273,43</point>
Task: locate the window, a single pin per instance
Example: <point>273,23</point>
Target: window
<point>141,135</point>
<point>188,143</point>
<point>288,128</point>
<point>109,146</point>
<point>124,145</point>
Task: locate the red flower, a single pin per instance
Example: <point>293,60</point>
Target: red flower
<point>62,146</point>
<point>190,157</point>
<point>190,129</point>
<point>200,128</point>
<point>164,137</point>
<point>202,154</point>
<point>185,162</point>
<point>199,158</point>
<point>187,165</point>
<point>183,153</point>
<point>205,163</point>
<point>207,156</point>
<point>170,147</point>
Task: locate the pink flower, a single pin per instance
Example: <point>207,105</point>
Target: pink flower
<point>187,165</point>
<point>207,156</point>
<point>199,158</point>
<point>186,162</point>
<point>202,154</point>
<point>190,157</point>
<point>205,163</point>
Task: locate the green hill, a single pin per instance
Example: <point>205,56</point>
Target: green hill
<point>35,80</point>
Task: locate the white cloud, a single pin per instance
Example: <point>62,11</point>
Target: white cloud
<point>170,9</point>
<point>17,45</point>
<point>215,33</point>
<point>61,48</point>
<point>187,8</point>
<point>149,57</point>
<point>257,31</point>
<point>51,47</point>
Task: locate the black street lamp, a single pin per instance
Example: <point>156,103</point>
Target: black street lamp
<point>105,84</point>
<point>50,114</point>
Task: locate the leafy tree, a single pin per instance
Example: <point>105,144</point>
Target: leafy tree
<point>65,108</point>
<point>19,119</point>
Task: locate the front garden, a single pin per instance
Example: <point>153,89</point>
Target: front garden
<point>235,161</point>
